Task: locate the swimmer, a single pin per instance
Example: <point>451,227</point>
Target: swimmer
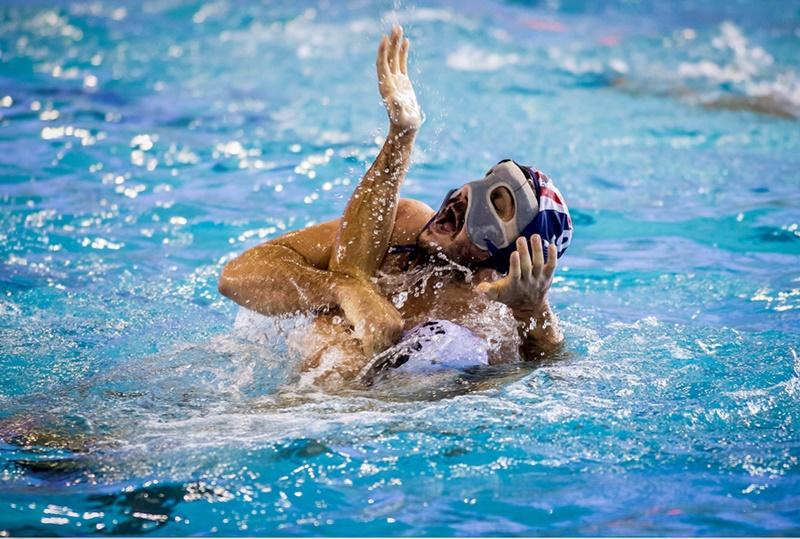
<point>393,277</point>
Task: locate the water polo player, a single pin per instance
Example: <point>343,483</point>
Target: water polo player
<point>394,284</point>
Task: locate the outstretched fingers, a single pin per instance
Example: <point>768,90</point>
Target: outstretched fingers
<point>393,82</point>
<point>524,257</point>
<point>514,269</point>
<point>538,255</point>
<point>392,55</point>
<point>552,261</point>
<point>404,57</point>
<point>383,59</point>
<point>395,46</point>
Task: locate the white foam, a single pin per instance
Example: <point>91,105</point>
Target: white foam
<point>747,70</point>
<point>470,58</point>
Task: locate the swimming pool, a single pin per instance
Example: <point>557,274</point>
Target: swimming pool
<point>144,145</point>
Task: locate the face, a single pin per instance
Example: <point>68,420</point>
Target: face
<point>448,235</point>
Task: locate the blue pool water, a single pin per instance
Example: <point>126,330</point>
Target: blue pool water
<point>145,144</point>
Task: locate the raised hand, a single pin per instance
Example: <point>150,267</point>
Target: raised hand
<point>393,82</point>
<point>525,287</point>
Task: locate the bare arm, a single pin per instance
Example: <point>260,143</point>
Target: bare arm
<point>369,217</point>
<point>286,275</point>
<point>540,332</point>
<point>299,271</point>
<point>289,274</point>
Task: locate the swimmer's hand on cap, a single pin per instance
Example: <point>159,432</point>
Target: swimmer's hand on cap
<point>393,82</point>
<point>525,287</point>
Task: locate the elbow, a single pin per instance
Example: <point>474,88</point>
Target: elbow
<point>226,283</point>
<point>223,286</point>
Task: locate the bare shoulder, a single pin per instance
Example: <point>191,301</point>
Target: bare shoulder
<point>412,216</point>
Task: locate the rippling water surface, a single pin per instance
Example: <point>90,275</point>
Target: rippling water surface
<point>145,144</point>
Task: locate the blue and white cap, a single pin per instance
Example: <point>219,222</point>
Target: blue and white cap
<point>539,208</point>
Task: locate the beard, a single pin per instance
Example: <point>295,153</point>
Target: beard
<point>447,250</point>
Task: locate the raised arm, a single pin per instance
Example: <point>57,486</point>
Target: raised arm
<point>366,227</point>
<point>330,266</point>
<point>369,217</point>
<point>524,290</point>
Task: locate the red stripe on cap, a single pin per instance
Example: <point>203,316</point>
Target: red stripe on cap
<point>549,193</point>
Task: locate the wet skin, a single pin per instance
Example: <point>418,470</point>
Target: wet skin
<point>447,230</point>
<point>332,269</point>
